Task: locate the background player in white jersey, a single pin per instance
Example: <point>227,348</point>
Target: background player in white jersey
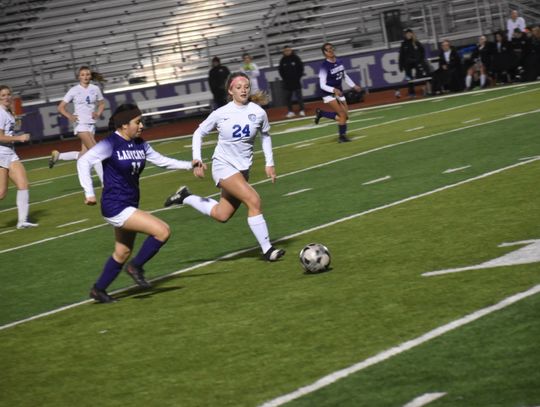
<point>331,74</point>
<point>10,165</point>
<point>238,122</point>
<point>88,105</point>
<point>124,155</point>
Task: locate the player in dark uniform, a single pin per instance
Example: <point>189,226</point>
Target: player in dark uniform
<point>331,74</point>
<point>124,155</point>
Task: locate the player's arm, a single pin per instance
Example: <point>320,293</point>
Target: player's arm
<point>100,108</point>
<point>266,142</point>
<point>323,74</point>
<point>62,110</point>
<point>21,138</point>
<point>351,83</point>
<point>166,162</point>
<point>196,144</point>
<point>99,152</point>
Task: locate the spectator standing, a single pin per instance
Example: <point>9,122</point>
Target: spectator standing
<point>412,60</point>
<point>251,69</point>
<point>502,54</point>
<point>217,77</point>
<point>515,21</point>
<point>521,48</point>
<point>291,70</point>
<point>532,70</point>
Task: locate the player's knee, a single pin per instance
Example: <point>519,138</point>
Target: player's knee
<point>164,233</point>
<point>122,254</point>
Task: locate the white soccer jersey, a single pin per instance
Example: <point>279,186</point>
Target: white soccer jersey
<point>237,127</point>
<point>7,124</point>
<point>84,102</point>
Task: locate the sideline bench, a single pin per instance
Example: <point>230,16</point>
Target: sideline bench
<point>182,103</point>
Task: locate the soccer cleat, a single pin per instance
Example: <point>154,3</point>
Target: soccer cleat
<point>178,197</point>
<point>26,225</point>
<point>302,113</point>
<point>137,274</point>
<point>290,115</point>
<point>273,254</point>
<point>55,154</point>
<point>101,295</point>
<point>343,139</point>
<point>318,115</point>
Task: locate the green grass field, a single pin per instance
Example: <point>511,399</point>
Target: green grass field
<point>426,186</point>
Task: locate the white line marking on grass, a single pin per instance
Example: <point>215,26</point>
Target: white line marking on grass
<point>295,129</point>
<point>357,137</point>
<point>38,184</point>
<point>298,192</point>
<point>415,128</point>
<point>377,180</point>
<point>396,350</point>
<point>303,145</point>
<point>529,158</point>
<point>437,100</point>
<point>424,399</point>
<point>450,170</point>
<point>7,231</point>
<point>239,252</point>
<point>366,119</point>
<point>471,121</point>
<point>72,223</point>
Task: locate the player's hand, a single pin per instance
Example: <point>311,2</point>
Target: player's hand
<point>271,173</point>
<point>74,118</point>
<point>198,168</point>
<point>90,200</point>
<point>95,115</point>
<point>23,138</point>
<point>357,88</point>
<point>337,92</point>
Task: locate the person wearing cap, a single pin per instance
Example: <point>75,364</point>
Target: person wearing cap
<point>515,21</point>
<point>412,60</point>
<point>123,155</point>
<point>216,78</point>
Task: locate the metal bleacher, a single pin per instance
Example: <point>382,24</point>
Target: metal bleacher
<point>43,42</point>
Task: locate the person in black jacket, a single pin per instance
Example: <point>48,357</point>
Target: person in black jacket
<point>291,70</point>
<point>412,60</point>
<point>217,77</point>
<point>449,76</point>
<point>480,63</point>
<point>502,54</point>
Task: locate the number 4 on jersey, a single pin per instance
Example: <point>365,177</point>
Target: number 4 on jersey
<point>238,130</point>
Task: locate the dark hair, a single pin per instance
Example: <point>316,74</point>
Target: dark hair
<point>123,114</point>
<point>323,48</point>
<point>216,59</point>
<point>95,76</point>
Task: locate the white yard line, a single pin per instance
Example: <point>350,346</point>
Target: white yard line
<point>451,170</point>
<point>415,129</point>
<point>424,399</point>
<point>529,158</point>
<point>72,223</point>
<point>239,252</point>
<point>471,121</point>
<point>38,184</point>
<point>7,231</point>
<point>298,192</point>
<point>303,145</point>
<point>375,181</point>
<point>403,347</point>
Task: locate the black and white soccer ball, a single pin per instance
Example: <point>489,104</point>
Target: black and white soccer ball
<point>315,258</point>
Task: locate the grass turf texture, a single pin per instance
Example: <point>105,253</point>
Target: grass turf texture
<point>241,331</point>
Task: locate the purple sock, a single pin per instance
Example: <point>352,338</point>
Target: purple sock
<point>342,129</point>
<point>329,115</point>
<point>148,249</point>
<point>111,269</point>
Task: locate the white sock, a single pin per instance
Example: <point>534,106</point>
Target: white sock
<point>257,224</point>
<point>482,80</point>
<point>98,168</point>
<point>22,204</point>
<point>468,81</point>
<point>203,205</point>
<point>70,155</point>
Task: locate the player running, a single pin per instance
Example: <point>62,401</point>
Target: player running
<point>124,155</point>
<point>88,105</point>
<point>331,74</point>
<point>238,122</point>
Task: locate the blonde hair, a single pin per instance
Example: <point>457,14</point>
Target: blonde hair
<point>259,97</point>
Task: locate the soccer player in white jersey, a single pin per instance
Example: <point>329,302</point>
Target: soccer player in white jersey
<point>10,164</point>
<point>238,122</point>
<point>88,105</point>
<point>124,155</point>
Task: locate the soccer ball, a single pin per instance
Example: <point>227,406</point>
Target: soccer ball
<point>315,258</point>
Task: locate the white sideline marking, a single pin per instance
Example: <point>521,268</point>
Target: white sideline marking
<point>298,192</point>
<point>377,180</point>
<point>424,399</point>
<point>415,128</point>
<point>303,145</point>
<point>471,121</point>
<point>366,119</point>
<point>72,223</point>
<point>38,184</point>
<point>295,129</point>
<point>437,100</point>
<point>450,170</point>
<point>528,158</point>
<point>396,350</point>
<point>7,231</point>
<point>281,175</point>
<point>239,252</point>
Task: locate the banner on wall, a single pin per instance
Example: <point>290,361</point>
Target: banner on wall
<point>373,70</point>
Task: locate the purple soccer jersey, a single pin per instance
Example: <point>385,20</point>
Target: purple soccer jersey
<point>335,72</point>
